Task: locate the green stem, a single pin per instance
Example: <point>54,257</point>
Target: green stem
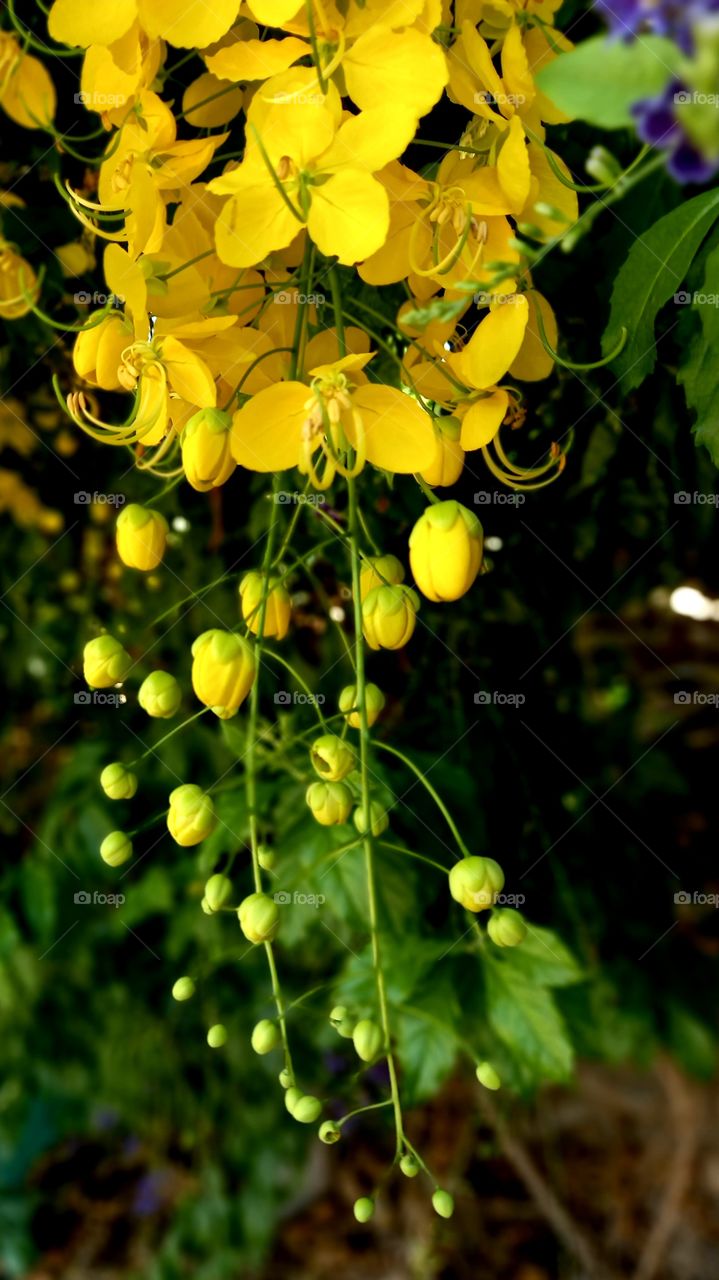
<point>177,729</point>
<point>384,746</point>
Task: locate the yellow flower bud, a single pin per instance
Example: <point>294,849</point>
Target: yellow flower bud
<point>259,918</point>
<point>223,670</point>
<point>377,822</point>
<point>141,536</point>
<point>97,354</point>
<point>388,616</point>
<point>445,550</point>
<point>448,462</point>
<point>117,782</point>
<point>218,891</point>
<point>17,278</point>
<point>206,455</point>
<point>507,928</point>
<point>475,883</point>
<point>105,662</point>
<point>160,695</point>
<point>378,571</point>
<point>278,607</point>
<point>374,699</point>
<point>332,758</point>
<point>330,802</point>
<point>116,849</point>
<point>191,816</point>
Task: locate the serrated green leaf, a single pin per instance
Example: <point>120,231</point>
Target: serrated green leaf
<point>543,959</point>
<point>526,1019</point>
<point>698,373</point>
<point>601,79</point>
<point>425,1046</point>
<point>654,272</point>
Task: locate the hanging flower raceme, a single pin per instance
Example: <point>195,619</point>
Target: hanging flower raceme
<point>337,423</point>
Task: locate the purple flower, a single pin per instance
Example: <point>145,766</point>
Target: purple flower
<point>676,19</point>
<point>659,124</point>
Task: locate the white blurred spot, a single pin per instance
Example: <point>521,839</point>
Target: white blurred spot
<point>337,613</point>
<point>493,544</point>
<point>692,603</point>
<point>180,524</point>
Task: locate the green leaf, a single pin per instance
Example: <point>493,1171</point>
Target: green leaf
<point>601,79</point>
<point>693,1043</point>
<point>526,1019</point>
<point>654,272</point>
<point>698,372</point>
<point>426,1048</point>
<point>38,890</point>
<point>543,958</point>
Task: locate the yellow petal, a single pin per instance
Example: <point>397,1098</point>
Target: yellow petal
<point>188,374</point>
<point>534,362</point>
<point>255,59</point>
<point>513,168</point>
<point>371,140</point>
<point>28,96</point>
<point>349,216</point>
<point>551,191</point>
<point>274,13</point>
<point>293,117</point>
<point>125,279</point>
<point>539,54</point>
<point>385,67</point>
<point>399,436</point>
<point>192,24</point>
<point>75,22</point>
<point>208,102</point>
<point>483,419</point>
<point>254,223</point>
<point>267,431</point>
<point>518,81</point>
<point>495,343</point>
<point>151,417</point>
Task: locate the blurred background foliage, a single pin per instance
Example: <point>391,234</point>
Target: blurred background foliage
<point>594,794</point>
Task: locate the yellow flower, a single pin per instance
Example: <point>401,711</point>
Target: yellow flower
<point>278,606</point>
<point>17,279</point>
<point>141,535</point>
<point>98,350</point>
<point>206,453</point>
<point>378,571</point>
<point>223,671</point>
<point>448,462</point>
<point>339,421</point>
<point>194,24</point>
<point>445,551</point>
<point>389,615</point>
<point>305,165</point>
<point>27,93</point>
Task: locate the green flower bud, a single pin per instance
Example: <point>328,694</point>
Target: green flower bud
<point>117,782</point>
<point>409,1166</point>
<point>206,907</point>
<point>332,758</point>
<point>265,1036</point>
<point>346,1028</point>
<point>329,1132</point>
<point>183,989</point>
<point>363,1209</point>
<point>285,1078</point>
<point>266,857</point>
<point>603,166</point>
<point>475,883</point>
<point>217,1036</point>
<point>191,817</point>
<point>160,695</point>
<point>105,662</point>
<point>377,822</point>
<point>338,1014</point>
<point>116,849</point>
<point>367,1039</point>
<point>506,927</point>
<point>292,1097</point>
<point>487,1076</point>
<point>218,891</point>
<point>348,704</point>
<point>259,918</point>
<point>141,536</point>
<point>307,1109</point>
<point>330,802</point>
<point>442,1203</point>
